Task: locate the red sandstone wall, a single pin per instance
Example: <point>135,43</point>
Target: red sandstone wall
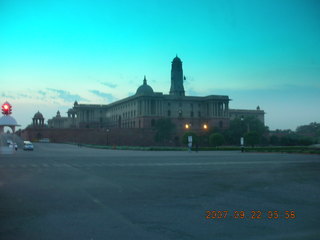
<point>116,136</point>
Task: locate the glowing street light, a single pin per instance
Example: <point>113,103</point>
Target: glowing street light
<point>205,126</point>
<point>186,126</point>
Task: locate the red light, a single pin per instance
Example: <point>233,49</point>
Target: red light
<point>6,108</point>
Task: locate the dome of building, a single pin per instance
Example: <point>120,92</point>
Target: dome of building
<point>144,89</point>
<point>176,59</point>
<point>38,115</point>
<point>7,120</point>
<point>71,110</point>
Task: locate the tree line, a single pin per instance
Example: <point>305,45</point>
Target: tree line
<point>251,129</point>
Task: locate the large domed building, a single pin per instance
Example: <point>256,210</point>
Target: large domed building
<point>142,109</point>
<point>144,89</point>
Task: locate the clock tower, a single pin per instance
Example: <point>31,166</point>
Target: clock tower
<point>177,88</point>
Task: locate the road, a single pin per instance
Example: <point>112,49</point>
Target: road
<point>63,191</point>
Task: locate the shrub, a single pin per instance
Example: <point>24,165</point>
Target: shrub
<point>216,139</point>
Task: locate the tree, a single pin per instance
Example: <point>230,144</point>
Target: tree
<point>252,138</point>
<point>238,128</point>
<point>274,140</point>
<point>164,130</point>
<point>216,139</point>
<point>310,130</point>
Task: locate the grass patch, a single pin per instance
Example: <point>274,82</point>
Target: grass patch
<point>273,149</point>
<point>286,149</point>
<point>139,148</point>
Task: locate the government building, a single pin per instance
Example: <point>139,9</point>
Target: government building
<point>131,121</point>
<point>146,106</point>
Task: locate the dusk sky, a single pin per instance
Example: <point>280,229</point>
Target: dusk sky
<point>257,52</point>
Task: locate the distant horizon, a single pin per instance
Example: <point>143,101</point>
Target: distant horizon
<point>65,109</point>
<point>53,53</point>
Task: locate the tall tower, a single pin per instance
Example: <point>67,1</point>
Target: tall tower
<point>176,78</point>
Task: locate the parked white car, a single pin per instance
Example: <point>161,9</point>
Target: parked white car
<point>27,145</point>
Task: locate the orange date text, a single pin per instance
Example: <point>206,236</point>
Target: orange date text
<point>253,214</point>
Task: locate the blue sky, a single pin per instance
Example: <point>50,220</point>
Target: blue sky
<point>264,53</point>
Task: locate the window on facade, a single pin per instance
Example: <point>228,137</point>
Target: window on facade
<point>153,107</point>
<point>119,122</point>
<point>153,123</point>
<point>180,113</point>
<point>199,114</point>
<point>169,104</point>
<point>220,124</point>
<point>169,113</point>
<point>191,114</point>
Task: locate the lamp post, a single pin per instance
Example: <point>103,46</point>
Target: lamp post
<point>187,126</point>
<point>242,138</point>
<point>108,130</point>
<point>204,138</point>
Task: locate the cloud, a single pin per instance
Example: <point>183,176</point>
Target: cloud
<point>42,93</point>
<point>15,95</point>
<point>108,96</point>
<point>110,85</point>
<point>66,96</point>
<point>8,96</point>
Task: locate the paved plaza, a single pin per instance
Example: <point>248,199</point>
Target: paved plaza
<point>63,191</point>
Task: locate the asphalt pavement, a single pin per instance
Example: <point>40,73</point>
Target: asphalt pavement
<point>61,191</point>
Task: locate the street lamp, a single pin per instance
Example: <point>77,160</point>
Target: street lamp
<point>187,126</point>
<point>247,131</point>
<point>242,138</point>
<point>108,130</point>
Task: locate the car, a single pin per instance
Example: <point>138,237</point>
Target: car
<point>27,145</point>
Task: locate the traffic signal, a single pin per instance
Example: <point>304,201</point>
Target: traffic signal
<point>6,108</point>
